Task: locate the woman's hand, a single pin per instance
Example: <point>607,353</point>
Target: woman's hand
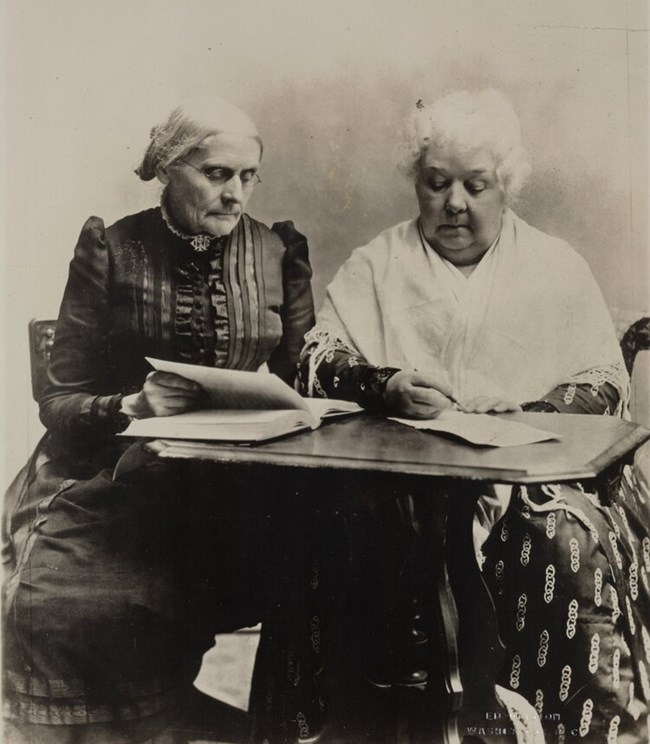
<point>417,395</point>
<point>487,404</point>
<point>164,394</point>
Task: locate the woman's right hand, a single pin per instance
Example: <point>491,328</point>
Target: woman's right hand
<point>417,395</point>
<point>164,394</point>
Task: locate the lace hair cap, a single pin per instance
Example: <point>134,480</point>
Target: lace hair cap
<point>467,120</point>
<point>187,126</point>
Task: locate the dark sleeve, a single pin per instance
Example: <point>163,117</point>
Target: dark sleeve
<point>298,306</point>
<point>78,402</point>
<point>578,398</point>
<point>342,373</point>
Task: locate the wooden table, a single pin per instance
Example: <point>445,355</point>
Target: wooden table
<point>366,446</point>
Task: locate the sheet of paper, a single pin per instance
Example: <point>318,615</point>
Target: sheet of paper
<point>481,428</point>
<point>229,388</point>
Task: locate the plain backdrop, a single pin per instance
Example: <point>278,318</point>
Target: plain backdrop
<point>327,83</point>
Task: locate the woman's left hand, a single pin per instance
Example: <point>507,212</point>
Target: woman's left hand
<point>487,404</point>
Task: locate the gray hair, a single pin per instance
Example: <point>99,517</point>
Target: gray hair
<point>467,120</point>
<point>187,126</point>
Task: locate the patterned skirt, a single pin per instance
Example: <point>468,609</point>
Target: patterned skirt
<point>570,578</point>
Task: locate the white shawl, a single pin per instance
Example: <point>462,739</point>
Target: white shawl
<point>530,316</point>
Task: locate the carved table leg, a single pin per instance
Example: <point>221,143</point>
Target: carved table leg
<point>480,650</point>
<point>444,698</point>
<point>466,654</point>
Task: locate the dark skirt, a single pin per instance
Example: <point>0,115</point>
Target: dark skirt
<point>116,588</point>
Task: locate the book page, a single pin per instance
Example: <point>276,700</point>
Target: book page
<point>225,425</point>
<point>480,428</point>
<point>229,388</point>
<point>323,407</point>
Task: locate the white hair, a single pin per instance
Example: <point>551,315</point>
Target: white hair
<point>186,128</point>
<point>467,121</point>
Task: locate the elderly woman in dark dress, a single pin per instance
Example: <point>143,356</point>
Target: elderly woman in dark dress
<point>116,585</point>
<point>468,301</point>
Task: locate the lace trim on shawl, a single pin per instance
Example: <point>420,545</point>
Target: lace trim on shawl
<point>556,502</point>
<point>320,346</point>
<point>614,374</point>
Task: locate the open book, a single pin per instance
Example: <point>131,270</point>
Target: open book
<point>244,407</point>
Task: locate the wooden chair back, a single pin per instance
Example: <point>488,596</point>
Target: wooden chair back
<point>41,341</point>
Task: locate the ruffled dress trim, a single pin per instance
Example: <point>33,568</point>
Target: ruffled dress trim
<point>220,305</point>
<point>201,322</point>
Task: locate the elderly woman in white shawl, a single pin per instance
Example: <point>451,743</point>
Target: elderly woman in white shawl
<point>467,302</point>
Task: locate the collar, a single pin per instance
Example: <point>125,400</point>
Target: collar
<point>200,243</point>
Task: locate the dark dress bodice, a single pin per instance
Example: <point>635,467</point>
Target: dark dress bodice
<point>135,289</point>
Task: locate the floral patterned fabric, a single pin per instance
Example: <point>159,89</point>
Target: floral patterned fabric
<point>569,577</point>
